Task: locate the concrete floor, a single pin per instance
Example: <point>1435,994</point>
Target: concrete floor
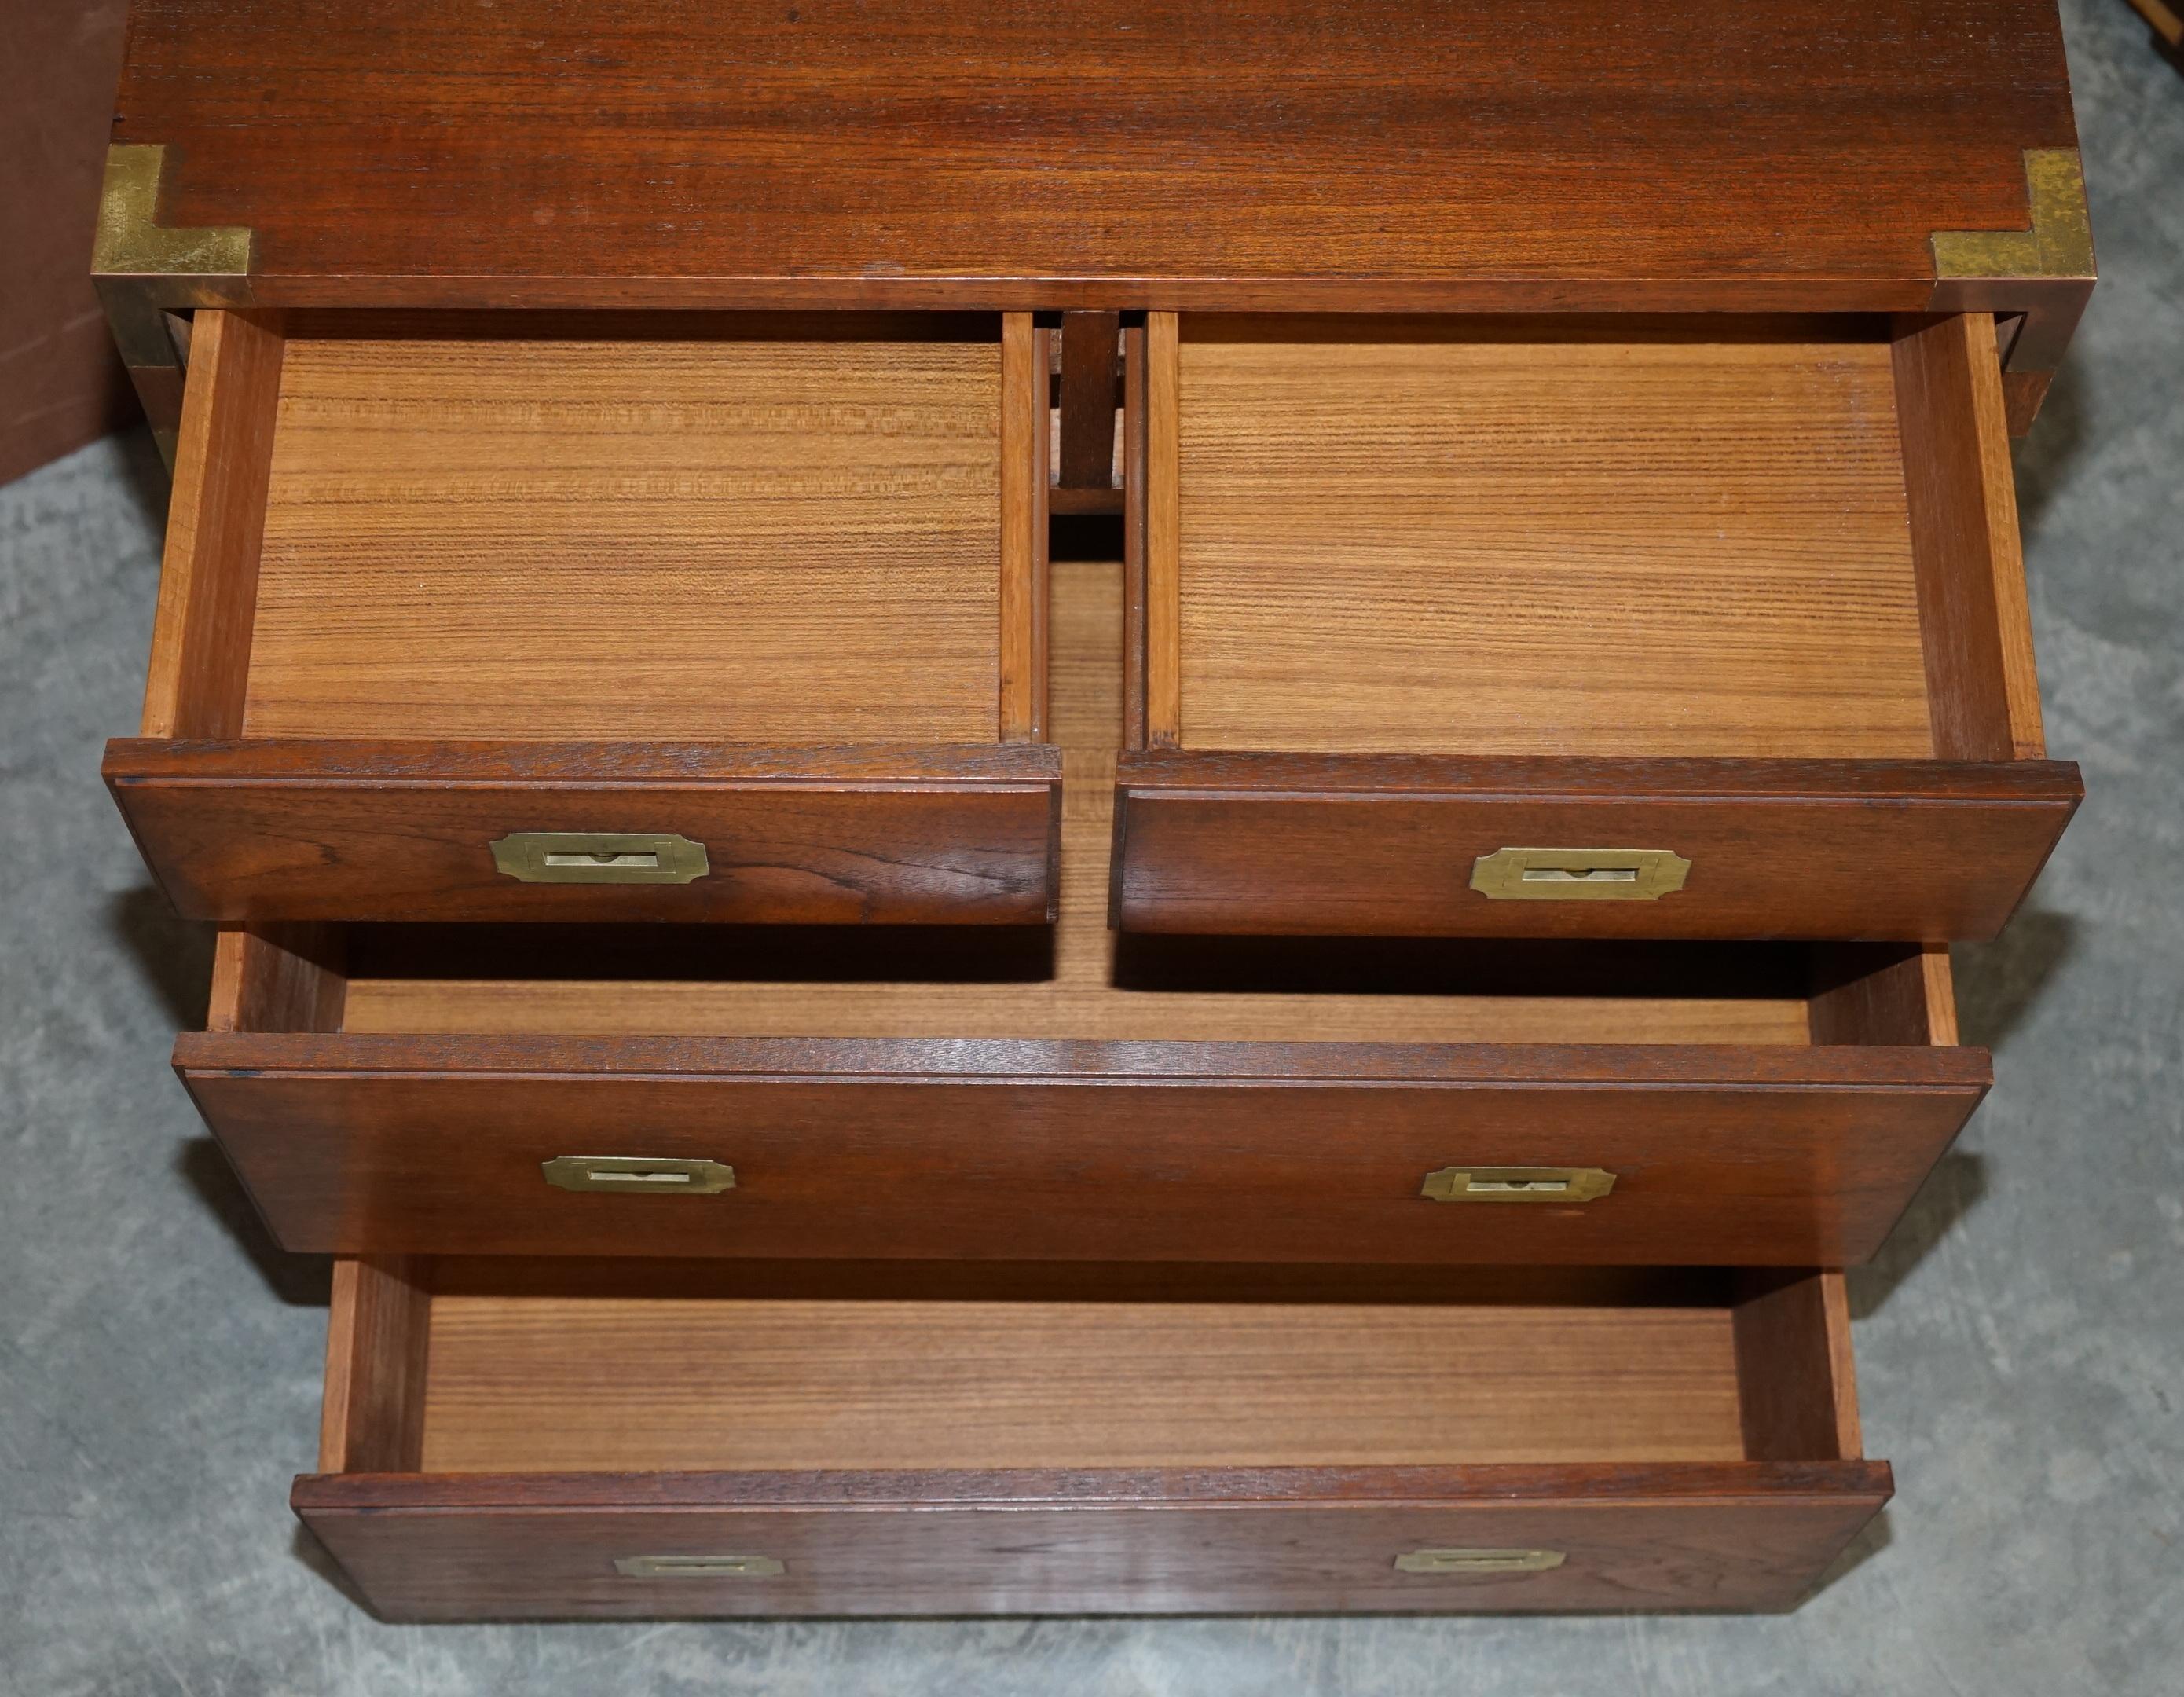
<point>2018,1342</point>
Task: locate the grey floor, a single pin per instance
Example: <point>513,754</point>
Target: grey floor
<point>2019,1341</point>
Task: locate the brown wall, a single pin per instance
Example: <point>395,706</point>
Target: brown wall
<point>60,383</point>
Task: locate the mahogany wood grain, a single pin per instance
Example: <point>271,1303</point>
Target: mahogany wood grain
<point>1383,845</point>
<point>2023,394</point>
<point>1963,491</point>
<point>380,829</point>
<point>278,977</point>
<point>200,636</point>
<point>1739,1535</point>
<point>1794,1367</point>
<point>1129,154</point>
<point>731,537</point>
<point>1163,536</point>
<point>913,1095</point>
<point>1091,341</point>
<point>378,1340</point>
<point>1023,478</point>
<point>534,1365</point>
<point>1159,1149</point>
<point>1086,985</point>
<point>1864,993</point>
<point>1135,449</point>
<point>732,527</point>
<point>1723,588</point>
<point>528,1384</point>
<point>1431,537</point>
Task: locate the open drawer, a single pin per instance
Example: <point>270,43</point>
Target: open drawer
<point>1609,627</point>
<point>676,1094</point>
<point>614,1439</point>
<point>681,616</point>
<point>1015,1093</point>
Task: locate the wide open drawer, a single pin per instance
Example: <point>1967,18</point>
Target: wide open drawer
<point>615,1439</point>
<point>678,617</point>
<point>1581,628</point>
<point>723,1092</point>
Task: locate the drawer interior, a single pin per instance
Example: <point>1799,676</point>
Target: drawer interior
<point>738,982</point>
<point>478,1366</point>
<point>1629,536</point>
<point>762,528</point>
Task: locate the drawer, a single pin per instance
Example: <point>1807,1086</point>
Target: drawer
<point>1579,628</point>
<point>617,1097</point>
<point>678,617</point>
<point>1015,1093</point>
<point>615,1439</point>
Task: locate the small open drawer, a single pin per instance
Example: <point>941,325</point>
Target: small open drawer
<point>697,1093</point>
<point>507,1439</point>
<point>672,616</point>
<point>1578,628</point>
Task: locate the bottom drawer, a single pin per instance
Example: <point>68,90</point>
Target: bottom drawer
<point>507,1439</point>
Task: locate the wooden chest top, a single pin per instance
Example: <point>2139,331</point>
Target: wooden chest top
<point>1337,155</point>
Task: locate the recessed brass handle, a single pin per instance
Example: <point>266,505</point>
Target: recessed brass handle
<point>1579,874</point>
<point>1517,1184</point>
<point>599,857</point>
<point>699,1566</point>
<point>639,1175</point>
<point>1479,1561</point>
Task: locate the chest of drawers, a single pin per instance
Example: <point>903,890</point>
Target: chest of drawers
<point>1320,1045</point>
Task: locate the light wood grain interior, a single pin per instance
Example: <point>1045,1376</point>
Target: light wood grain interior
<point>1499,541</point>
<point>520,1382</point>
<point>1080,999</point>
<point>725,538</point>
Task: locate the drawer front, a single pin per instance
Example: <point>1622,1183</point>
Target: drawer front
<point>263,830</point>
<point>1037,1150</point>
<point>1401,847</point>
<point>1427,1540</point>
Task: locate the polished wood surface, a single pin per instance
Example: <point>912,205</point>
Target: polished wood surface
<point>379,1329</point>
<point>1022,590</point>
<point>1797,1379</point>
<point>1962,509</point>
<point>1447,537</point>
<point>1130,153</point>
<point>523,1384</point>
<point>1419,589</point>
<point>197,676</point>
<point>935,1094</point>
<point>396,829</point>
<point>1737,1535</point>
<point>278,977</point>
<point>535,1364</point>
<point>1088,408</point>
<point>751,530</point>
<point>1161,659</point>
<point>1383,845</point>
<point>740,539</point>
<point>1179,1151</point>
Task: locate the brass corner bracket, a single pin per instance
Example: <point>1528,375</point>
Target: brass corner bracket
<point>2058,245</point>
<point>145,270</point>
<point>132,243</point>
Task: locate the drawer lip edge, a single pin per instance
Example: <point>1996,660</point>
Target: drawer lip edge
<point>133,760</point>
<point>1517,1485</point>
<point>966,1061</point>
<point>1171,775</point>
